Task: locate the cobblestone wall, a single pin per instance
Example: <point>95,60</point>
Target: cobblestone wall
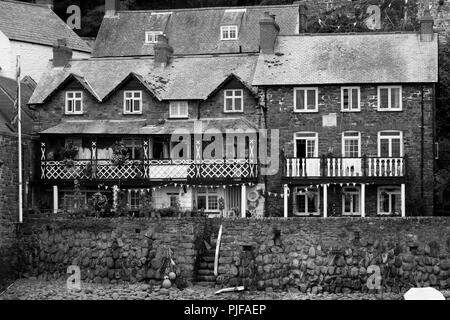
<point>333,255</point>
<point>109,250</point>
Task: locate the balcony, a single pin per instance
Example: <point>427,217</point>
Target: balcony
<point>328,167</point>
<point>151,170</point>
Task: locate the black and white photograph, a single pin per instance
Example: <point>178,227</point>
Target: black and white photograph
<point>224,156</point>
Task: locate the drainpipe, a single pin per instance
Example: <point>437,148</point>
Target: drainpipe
<point>435,151</point>
<point>265,127</point>
<point>422,133</point>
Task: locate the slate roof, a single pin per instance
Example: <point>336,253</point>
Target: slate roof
<point>185,78</point>
<point>137,127</point>
<point>97,127</point>
<point>33,23</point>
<point>8,92</point>
<point>349,58</point>
<point>190,31</point>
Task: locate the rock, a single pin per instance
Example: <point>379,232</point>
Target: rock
<point>115,296</point>
<point>312,252</point>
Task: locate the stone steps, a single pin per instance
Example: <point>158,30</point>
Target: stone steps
<point>208,259</point>
<point>205,272</point>
<point>206,265</point>
<point>203,278</point>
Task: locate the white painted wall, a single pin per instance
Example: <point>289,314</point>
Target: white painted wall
<point>34,58</point>
<point>161,197</point>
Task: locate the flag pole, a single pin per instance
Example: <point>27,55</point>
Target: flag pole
<point>19,133</point>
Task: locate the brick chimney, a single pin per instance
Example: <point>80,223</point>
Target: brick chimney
<point>426,26</point>
<point>48,3</point>
<point>163,51</point>
<point>269,30</point>
<point>111,7</point>
<point>61,53</point>
<point>302,17</point>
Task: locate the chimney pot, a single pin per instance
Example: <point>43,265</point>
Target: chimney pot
<point>61,53</point>
<point>269,30</point>
<point>163,51</point>
<point>426,26</point>
<point>111,7</point>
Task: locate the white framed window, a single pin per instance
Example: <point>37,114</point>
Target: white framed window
<point>174,200</point>
<point>178,109</point>
<point>390,98</point>
<point>135,148</point>
<point>389,200</point>
<point>351,144</point>
<point>306,201</point>
<point>208,200</point>
<point>132,102</point>
<point>306,99</point>
<point>74,102</point>
<point>233,100</point>
<point>228,33</point>
<point>351,201</point>
<point>152,36</point>
<point>134,199</point>
<point>350,99</point>
<point>390,144</point>
<point>306,144</point>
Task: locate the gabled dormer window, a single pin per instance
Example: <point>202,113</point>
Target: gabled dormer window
<point>228,33</point>
<point>152,36</point>
<point>178,109</point>
<point>132,102</point>
<point>74,102</point>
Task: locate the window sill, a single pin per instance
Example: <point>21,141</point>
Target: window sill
<point>233,111</point>
<point>350,111</point>
<point>132,113</point>
<point>179,118</point>
<point>74,114</point>
<point>389,110</point>
<point>231,39</point>
<point>306,111</point>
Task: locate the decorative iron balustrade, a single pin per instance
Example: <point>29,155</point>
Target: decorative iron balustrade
<point>152,169</point>
<point>344,167</point>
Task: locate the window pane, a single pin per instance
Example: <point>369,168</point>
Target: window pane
<point>128,94</point>
<point>201,202</point>
<point>229,104</point>
<point>395,98</point>
<point>312,204</point>
<point>70,95</point>
<point>300,98</point>
<point>395,148</point>
<point>300,203</point>
<point>347,200</point>
<point>137,105</point>
<point>311,148</point>
<point>229,93</point>
<point>384,98</point>
<point>355,99</point>
<point>78,105</point>
<point>128,105</point>
<point>238,93</point>
<point>238,104</point>
<point>396,203</point>
<point>213,203</point>
<point>311,99</point>
<point>355,203</point>
<point>384,201</point>
<point>345,99</point>
<point>70,105</point>
<point>78,94</point>
<point>384,148</point>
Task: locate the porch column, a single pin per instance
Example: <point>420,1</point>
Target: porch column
<point>150,148</point>
<point>403,199</point>
<point>55,199</point>
<point>363,200</point>
<point>325,200</point>
<point>285,199</point>
<point>243,200</point>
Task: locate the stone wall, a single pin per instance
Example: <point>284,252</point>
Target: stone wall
<point>9,215</point>
<point>109,250</point>
<point>333,255</point>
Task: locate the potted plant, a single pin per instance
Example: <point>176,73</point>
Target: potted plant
<point>120,153</point>
<point>68,153</point>
<point>99,202</point>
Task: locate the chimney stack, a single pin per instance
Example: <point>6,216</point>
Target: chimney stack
<point>269,30</point>
<point>111,7</point>
<point>163,51</point>
<point>302,17</point>
<point>61,53</point>
<point>426,26</point>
